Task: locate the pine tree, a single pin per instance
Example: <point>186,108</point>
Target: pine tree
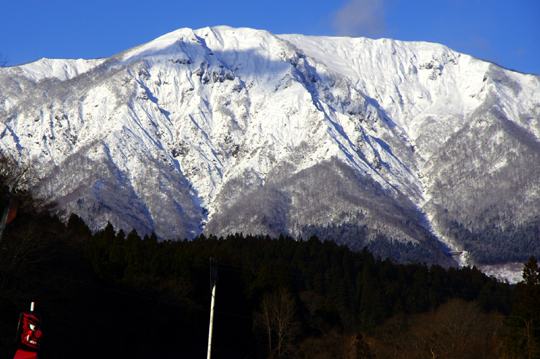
<point>523,339</point>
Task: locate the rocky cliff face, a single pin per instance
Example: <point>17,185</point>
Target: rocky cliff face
<point>237,130</point>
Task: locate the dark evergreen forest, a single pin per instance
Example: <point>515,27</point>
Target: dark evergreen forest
<point>113,294</point>
<point>496,244</point>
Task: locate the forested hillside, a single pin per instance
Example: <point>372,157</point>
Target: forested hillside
<point>112,295</point>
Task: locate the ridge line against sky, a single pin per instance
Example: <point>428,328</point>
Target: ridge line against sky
<point>500,31</point>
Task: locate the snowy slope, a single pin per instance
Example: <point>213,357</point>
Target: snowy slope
<point>228,130</point>
<point>432,94</point>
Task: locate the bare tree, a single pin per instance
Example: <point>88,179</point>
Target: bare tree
<point>18,179</point>
<point>458,329</point>
<point>14,175</point>
<point>277,321</point>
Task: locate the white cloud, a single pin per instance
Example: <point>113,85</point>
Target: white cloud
<point>521,52</point>
<point>361,18</point>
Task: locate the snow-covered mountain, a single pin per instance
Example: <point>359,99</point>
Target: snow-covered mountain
<point>408,147</point>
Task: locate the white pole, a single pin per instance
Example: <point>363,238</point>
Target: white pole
<point>32,306</point>
<point>213,278</point>
<point>211,320</point>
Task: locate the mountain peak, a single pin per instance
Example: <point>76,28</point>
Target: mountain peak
<point>238,130</point>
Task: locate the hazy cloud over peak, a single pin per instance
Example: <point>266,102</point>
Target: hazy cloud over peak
<point>361,18</point>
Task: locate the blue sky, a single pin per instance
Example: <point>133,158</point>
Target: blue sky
<point>505,32</point>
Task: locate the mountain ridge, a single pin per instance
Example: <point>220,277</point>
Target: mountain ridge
<point>171,135</point>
